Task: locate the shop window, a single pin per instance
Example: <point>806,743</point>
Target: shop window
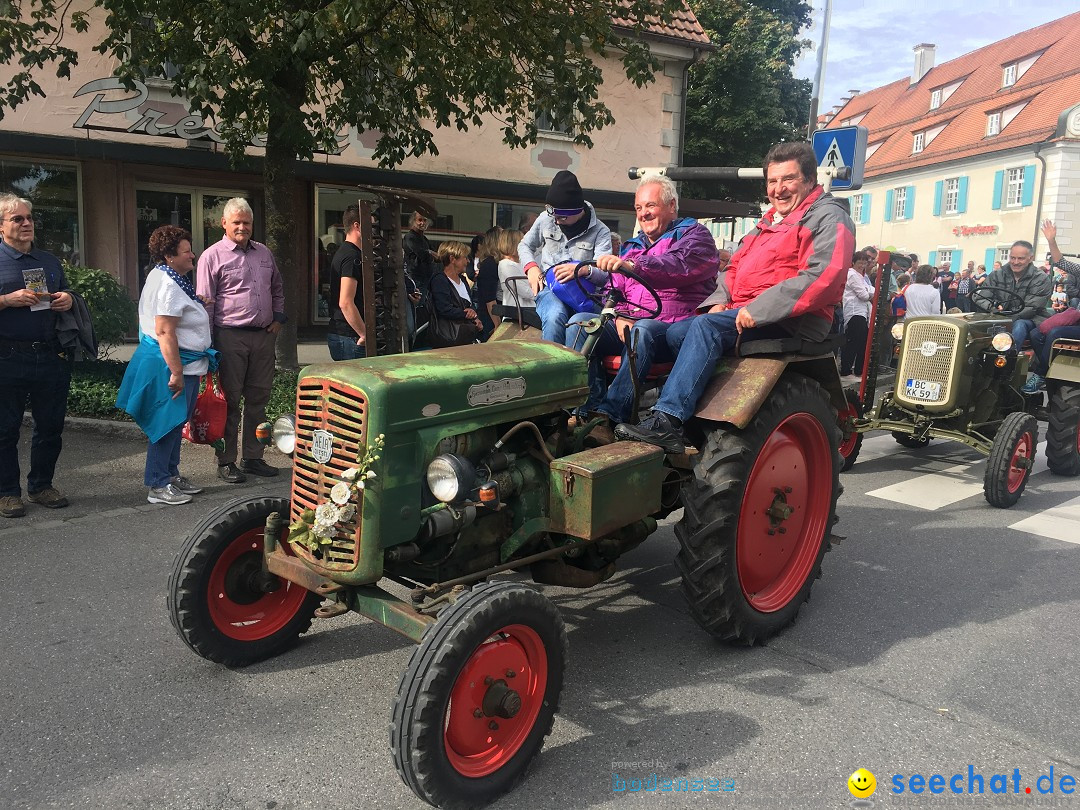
<point>53,188</point>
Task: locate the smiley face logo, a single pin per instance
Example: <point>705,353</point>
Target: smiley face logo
<point>862,783</point>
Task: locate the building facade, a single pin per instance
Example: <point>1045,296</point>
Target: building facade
<point>105,166</point>
<point>967,157</point>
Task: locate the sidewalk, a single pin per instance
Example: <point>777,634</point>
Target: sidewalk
<point>307,352</point>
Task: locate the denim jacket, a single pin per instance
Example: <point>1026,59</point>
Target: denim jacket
<point>546,245</point>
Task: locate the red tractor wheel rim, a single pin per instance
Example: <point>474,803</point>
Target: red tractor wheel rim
<point>238,608</point>
<point>478,744</point>
<point>784,492</point>
<point>1020,463</point>
<point>847,419</point>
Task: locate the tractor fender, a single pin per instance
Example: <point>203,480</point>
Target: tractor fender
<point>741,385</point>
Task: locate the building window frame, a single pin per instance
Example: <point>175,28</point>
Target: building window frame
<point>945,256</point>
<point>918,143</point>
<point>1014,187</point>
<point>993,124</point>
<point>77,254</point>
<point>900,203</point>
<point>856,208</point>
<point>1009,74</point>
<point>951,196</point>
<point>935,98</point>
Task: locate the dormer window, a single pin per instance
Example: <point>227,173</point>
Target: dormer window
<point>993,124</point>
<point>1008,75</point>
<point>935,99</point>
<point>919,142</point>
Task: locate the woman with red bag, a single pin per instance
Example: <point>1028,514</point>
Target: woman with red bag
<point>162,380</point>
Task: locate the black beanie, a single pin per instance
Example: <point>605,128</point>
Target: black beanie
<point>565,192</point>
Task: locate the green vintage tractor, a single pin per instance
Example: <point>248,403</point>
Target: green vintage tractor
<point>419,478</point>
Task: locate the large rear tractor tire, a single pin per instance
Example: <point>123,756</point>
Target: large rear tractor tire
<point>215,599</point>
<point>479,695</point>
<point>758,512</point>
<point>1063,431</point>
<point>1011,458</point>
<point>850,439</point>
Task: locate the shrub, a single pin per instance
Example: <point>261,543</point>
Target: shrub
<point>111,309</point>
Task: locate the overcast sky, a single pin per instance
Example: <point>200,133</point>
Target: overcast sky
<point>871,41</point>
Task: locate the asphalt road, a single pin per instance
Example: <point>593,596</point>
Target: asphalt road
<point>936,640</point>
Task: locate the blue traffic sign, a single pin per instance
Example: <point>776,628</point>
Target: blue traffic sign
<point>839,148</point>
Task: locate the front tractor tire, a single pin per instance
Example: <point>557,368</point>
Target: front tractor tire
<point>758,512</point>
<point>215,599</point>
<point>1011,458</point>
<point>479,695</point>
<point>1063,431</point>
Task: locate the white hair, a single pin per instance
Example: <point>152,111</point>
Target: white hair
<point>9,202</point>
<point>235,205</point>
<point>668,192</point>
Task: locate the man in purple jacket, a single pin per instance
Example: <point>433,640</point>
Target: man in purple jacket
<point>247,309</point>
<point>678,258</point>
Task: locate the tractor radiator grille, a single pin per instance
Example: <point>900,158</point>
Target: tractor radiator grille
<point>929,355</point>
<point>325,405</point>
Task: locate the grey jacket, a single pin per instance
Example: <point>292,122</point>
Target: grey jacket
<point>546,244</point>
<point>1034,286</point>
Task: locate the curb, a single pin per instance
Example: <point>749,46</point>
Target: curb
<point>108,427</point>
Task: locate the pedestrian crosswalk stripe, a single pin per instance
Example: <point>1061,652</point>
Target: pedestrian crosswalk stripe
<point>1059,522</point>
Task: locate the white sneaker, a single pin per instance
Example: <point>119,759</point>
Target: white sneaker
<point>184,485</point>
<point>167,494</point>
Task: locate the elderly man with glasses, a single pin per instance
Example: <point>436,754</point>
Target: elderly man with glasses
<point>566,233</point>
<point>32,364</point>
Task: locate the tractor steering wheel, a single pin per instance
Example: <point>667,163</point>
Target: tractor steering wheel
<point>990,297</point>
<point>608,291</point>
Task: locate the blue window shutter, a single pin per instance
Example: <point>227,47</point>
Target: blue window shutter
<point>957,262</point>
<point>909,203</point>
<point>961,196</point>
<point>990,258</point>
<point>939,187</point>
<point>888,205</point>
<point>999,182</point>
<point>1029,184</point>
<point>865,209</point>
<point>932,259</point>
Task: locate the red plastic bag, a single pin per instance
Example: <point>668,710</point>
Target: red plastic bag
<point>207,423</point>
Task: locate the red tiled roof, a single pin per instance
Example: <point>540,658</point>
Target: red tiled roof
<point>683,25</point>
<point>895,112</point>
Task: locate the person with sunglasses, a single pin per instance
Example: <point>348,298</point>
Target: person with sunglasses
<point>32,363</point>
<point>566,233</point>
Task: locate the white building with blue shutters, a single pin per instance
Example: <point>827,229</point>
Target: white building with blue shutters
<point>966,158</point>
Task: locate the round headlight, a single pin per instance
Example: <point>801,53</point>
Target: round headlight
<point>1002,341</point>
<point>449,477</point>
<point>897,331</point>
<point>284,434</point>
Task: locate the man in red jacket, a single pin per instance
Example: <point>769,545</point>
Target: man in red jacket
<point>785,280</point>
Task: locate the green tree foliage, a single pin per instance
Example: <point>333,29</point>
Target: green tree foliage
<point>111,310</point>
<point>294,75</point>
<point>31,35</point>
<point>744,98</point>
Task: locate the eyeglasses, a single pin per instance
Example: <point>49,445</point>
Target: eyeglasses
<point>19,219</point>
<point>562,213</point>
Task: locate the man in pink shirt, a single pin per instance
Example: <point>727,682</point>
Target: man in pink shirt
<point>247,308</point>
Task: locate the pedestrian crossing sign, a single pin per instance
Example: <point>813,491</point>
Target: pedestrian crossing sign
<point>840,148</point>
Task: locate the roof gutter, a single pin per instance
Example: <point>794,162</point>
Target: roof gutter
<point>682,109</point>
<point>1042,189</point>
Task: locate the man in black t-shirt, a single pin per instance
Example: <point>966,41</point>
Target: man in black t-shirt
<point>346,335</point>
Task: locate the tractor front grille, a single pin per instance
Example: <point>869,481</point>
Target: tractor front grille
<point>928,356</point>
<point>341,411</point>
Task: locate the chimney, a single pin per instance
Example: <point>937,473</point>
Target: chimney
<point>924,61</point>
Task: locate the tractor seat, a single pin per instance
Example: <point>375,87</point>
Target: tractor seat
<point>510,313</point>
<point>790,345</point>
<point>613,362</point>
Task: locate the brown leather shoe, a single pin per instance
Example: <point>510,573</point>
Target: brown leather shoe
<point>11,506</point>
<point>49,498</point>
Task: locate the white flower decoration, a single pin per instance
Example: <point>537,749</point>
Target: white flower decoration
<point>341,493</point>
<point>346,513</point>
<point>323,530</point>
<point>350,474</point>
<point>370,474</point>
<point>326,513</point>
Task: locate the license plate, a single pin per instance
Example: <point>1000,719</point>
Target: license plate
<point>922,389</point>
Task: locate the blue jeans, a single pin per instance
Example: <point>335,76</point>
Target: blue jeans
<point>700,346</point>
<point>1042,344</point>
<point>344,348</point>
<point>553,315</point>
<point>1021,331</point>
<point>651,347</point>
<point>44,378</point>
<point>163,456</point>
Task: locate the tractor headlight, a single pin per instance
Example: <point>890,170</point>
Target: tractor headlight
<point>449,477</point>
<point>1002,342</point>
<point>897,331</point>
<point>284,434</point>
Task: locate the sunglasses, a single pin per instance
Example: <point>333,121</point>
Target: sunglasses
<point>562,213</point>
<point>19,219</point>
